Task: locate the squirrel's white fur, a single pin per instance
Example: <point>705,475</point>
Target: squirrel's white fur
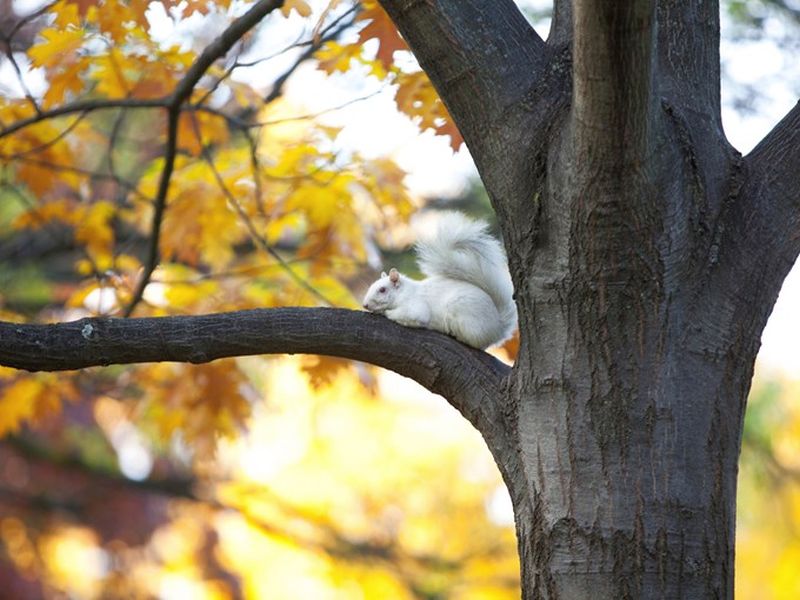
<point>467,292</point>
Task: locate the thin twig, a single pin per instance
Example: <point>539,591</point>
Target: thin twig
<point>324,111</point>
<point>61,135</point>
<point>93,175</point>
<point>335,29</point>
<point>28,18</point>
<point>20,79</point>
<point>218,48</point>
<point>83,106</point>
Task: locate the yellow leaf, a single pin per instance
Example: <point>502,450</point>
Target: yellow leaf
<point>93,229</point>
<point>32,397</point>
<point>114,19</point>
<point>57,45</point>
<point>417,98</point>
<point>18,404</point>
<point>66,14</point>
<point>333,57</point>
<point>112,73</point>
<point>38,216</point>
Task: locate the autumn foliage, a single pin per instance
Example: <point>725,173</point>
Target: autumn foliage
<point>148,178</point>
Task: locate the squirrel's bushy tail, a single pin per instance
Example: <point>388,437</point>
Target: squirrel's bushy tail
<point>462,249</point>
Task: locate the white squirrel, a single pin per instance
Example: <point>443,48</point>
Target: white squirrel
<point>467,292</point>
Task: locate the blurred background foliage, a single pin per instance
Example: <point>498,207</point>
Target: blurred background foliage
<point>290,477</point>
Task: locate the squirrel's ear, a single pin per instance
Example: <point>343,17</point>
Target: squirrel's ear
<point>383,274</point>
<point>394,275</point>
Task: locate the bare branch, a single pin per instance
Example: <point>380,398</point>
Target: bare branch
<point>218,48</point>
<point>771,194</point>
<point>688,58</point>
<point>468,378</point>
<point>776,162</point>
<point>83,106</point>
<point>331,32</point>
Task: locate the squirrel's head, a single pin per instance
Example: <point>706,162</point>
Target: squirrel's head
<point>382,295</point>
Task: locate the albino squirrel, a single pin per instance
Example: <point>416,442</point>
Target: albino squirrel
<point>467,292</point>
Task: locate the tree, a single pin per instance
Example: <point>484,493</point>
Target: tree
<point>646,255</point>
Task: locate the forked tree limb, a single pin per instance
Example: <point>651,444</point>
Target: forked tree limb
<point>762,225</point>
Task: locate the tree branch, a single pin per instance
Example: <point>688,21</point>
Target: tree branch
<point>755,242</point>
<point>482,57</point>
<point>774,164</point>
<point>468,378</point>
<point>330,32</point>
<point>83,106</point>
<point>688,55</point>
<point>505,89</point>
<point>770,197</point>
<point>612,83</point>
<point>561,28</point>
<point>218,48</point>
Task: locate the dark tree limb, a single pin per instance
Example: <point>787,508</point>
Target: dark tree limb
<point>505,89</point>
<point>482,57</point>
<point>759,235</point>
<point>472,51</point>
<point>471,380</point>
<point>773,169</point>
<point>561,27</point>
<point>688,40</point>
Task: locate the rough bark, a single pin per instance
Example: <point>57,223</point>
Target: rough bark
<point>646,255</point>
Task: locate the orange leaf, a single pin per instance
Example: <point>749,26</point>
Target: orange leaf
<point>381,28</point>
<point>66,81</point>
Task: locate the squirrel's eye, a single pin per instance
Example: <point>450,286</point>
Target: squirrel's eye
<point>382,290</point>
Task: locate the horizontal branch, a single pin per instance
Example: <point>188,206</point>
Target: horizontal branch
<point>82,107</point>
<point>470,379</point>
